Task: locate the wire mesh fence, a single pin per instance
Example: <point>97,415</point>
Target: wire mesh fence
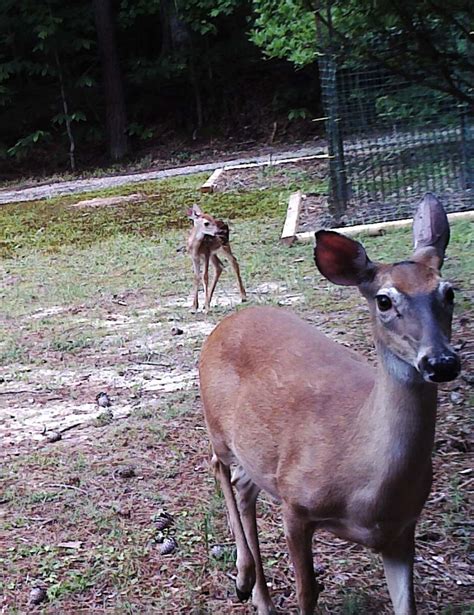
<point>389,142</point>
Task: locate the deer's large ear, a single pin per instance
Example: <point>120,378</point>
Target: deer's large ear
<point>430,232</point>
<point>342,260</point>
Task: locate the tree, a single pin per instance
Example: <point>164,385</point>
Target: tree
<point>428,41</point>
<point>115,114</point>
<point>44,51</point>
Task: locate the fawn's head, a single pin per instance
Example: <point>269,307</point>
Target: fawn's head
<point>411,305</point>
<point>204,224</point>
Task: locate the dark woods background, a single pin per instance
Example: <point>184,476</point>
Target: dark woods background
<point>86,82</point>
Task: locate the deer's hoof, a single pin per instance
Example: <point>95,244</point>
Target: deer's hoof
<point>243,596</point>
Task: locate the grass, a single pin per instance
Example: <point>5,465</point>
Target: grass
<point>87,305</point>
<point>54,224</point>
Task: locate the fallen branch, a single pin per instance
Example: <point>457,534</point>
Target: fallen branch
<point>64,486</point>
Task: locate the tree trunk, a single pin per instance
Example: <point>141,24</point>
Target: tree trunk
<point>115,115</point>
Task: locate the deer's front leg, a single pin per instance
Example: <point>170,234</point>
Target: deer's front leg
<point>398,560</point>
<point>299,535</point>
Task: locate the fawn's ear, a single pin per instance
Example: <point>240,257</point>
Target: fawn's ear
<point>194,212</point>
<point>430,232</point>
<point>342,260</point>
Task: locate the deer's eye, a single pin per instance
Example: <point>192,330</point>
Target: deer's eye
<point>384,303</point>
<point>449,294</point>
<point>206,223</point>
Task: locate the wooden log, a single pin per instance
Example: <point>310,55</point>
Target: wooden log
<point>380,228</point>
<point>292,215</point>
<point>210,183</point>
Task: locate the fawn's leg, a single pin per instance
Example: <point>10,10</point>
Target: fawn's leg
<point>205,281</point>
<point>218,268</point>
<point>197,280</point>
<point>235,266</point>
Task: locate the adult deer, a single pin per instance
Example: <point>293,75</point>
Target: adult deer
<point>208,237</point>
<point>343,446</point>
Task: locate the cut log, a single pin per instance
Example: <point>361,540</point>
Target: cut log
<point>292,215</point>
<point>209,185</point>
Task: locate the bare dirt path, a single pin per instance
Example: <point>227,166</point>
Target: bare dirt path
<point>49,190</point>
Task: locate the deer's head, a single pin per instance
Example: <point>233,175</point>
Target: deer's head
<point>204,224</point>
<point>411,305</point>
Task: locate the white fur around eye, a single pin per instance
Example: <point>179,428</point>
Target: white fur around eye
<point>397,300</point>
<point>394,294</point>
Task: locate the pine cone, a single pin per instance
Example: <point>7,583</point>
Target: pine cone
<point>168,546</point>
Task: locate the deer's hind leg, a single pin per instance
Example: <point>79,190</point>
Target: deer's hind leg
<point>235,266</point>
<point>245,561</point>
<point>218,269</point>
<point>247,493</point>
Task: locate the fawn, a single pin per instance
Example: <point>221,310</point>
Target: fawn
<point>342,445</point>
<point>208,237</point>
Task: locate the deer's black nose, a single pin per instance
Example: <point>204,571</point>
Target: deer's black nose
<point>441,368</point>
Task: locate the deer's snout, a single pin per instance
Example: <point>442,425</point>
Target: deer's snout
<point>440,368</point>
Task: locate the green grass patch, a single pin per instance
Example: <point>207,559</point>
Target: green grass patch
<point>53,225</point>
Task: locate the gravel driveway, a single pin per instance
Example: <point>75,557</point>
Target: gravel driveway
<point>47,191</point>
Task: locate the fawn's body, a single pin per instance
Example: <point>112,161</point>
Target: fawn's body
<point>208,238</point>
<point>341,445</point>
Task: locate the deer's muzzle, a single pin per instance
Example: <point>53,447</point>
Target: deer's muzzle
<point>440,368</point>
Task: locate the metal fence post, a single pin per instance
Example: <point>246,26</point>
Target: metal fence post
<point>338,194</point>
<point>467,149</point>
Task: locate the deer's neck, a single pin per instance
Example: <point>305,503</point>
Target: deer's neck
<point>400,415</point>
<point>195,240</point>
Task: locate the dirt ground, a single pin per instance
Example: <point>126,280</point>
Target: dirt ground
<point>85,488</point>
